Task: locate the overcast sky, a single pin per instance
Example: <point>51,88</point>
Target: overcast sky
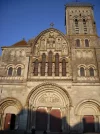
<point>27,18</point>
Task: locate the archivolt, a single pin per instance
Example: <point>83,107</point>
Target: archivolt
<point>90,104</point>
<point>54,87</point>
<point>10,101</point>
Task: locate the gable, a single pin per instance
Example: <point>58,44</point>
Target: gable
<point>51,40</point>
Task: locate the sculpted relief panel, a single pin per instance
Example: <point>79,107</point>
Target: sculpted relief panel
<point>49,97</point>
<point>51,41</point>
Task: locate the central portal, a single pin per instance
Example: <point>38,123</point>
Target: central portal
<point>48,120</point>
<point>55,120</point>
<point>49,105</point>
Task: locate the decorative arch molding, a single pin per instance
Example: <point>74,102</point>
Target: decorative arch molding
<point>44,90</point>
<point>10,101</point>
<point>20,65</point>
<point>45,40</point>
<point>48,30</point>
<point>88,104</point>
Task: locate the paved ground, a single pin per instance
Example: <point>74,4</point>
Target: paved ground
<point>22,132</point>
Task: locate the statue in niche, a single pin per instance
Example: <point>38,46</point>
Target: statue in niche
<point>51,40</point>
<point>43,43</point>
<point>37,48</point>
<point>58,43</point>
<point>64,49</point>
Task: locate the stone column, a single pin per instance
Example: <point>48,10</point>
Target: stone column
<point>96,123</point>
<point>0,121</point>
<point>46,69</point>
<point>39,69</point>
<point>34,117</point>
<point>60,69</point>
<point>53,69</point>
<point>63,119</point>
<point>29,117</point>
<point>3,120</point>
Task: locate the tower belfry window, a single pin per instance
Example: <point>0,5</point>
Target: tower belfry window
<point>84,25</point>
<point>76,26</point>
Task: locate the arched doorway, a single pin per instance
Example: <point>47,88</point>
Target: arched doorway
<point>9,113</point>
<point>41,119</point>
<point>55,118</point>
<point>50,103</point>
<point>88,123</point>
<point>88,112</point>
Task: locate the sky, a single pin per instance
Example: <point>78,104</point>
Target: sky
<point>27,18</point>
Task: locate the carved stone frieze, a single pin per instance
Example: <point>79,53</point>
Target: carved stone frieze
<point>51,40</point>
<point>49,97</point>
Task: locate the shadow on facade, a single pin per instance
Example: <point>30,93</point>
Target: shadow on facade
<point>42,121</point>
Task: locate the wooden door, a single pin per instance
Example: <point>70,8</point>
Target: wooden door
<point>55,120</point>
<point>41,119</point>
<point>9,121</point>
<point>88,123</point>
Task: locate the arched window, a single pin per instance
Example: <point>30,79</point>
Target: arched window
<point>85,27</point>
<point>63,67</point>
<point>57,64</point>
<point>77,43</point>
<point>91,70</point>
<point>43,64</point>
<point>76,26</point>
<point>84,21</point>
<point>50,63</point>
<point>36,63</point>
<point>86,42</point>
<point>10,71</point>
<point>19,71</point>
<point>82,71</point>
<point>76,22</point>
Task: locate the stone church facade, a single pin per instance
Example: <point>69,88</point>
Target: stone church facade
<point>52,82</point>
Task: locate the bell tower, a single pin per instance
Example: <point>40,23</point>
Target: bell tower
<point>79,19</point>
